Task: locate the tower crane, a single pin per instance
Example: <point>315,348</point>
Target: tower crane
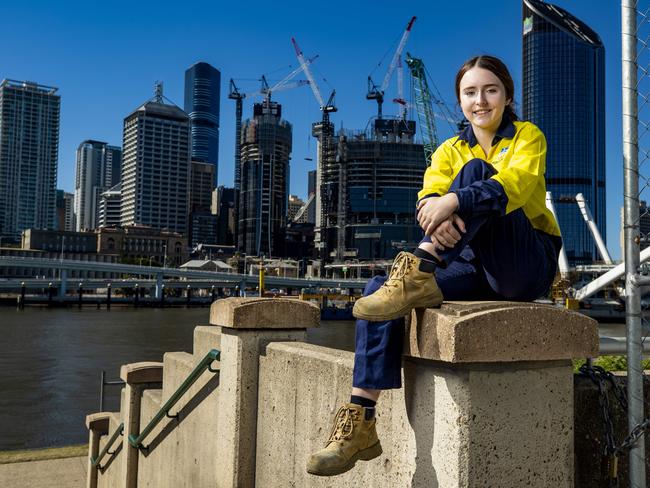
<point>400,90</point>
<point>266,91</point>
<point>326,108</point>
<point>324,132</point>
<point>377,92</point>
<point>424,106</point>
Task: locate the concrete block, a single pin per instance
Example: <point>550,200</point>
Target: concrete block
<point>491,425</point>
<point>301,388</point>
<point>237,403</point>
<point>138,377</point>
<point>181,450</point>
<point>151,464</point>
<point>178,366</point>
<point>144,372</point>
<point>463,332</point>
<point>110,472</point>
<point>97,425</point>
<point>206,338</point>
<point>264,313</point>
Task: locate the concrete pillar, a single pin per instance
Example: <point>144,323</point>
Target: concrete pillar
<point>159,285</point>
<point>63,286</point>
<point>97,425</point>
<point>247,326</point>
<point>489,393</point>
<point>138,377</point>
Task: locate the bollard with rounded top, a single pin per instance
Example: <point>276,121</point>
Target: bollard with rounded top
<point>489,393</point>
<point>247,326</point>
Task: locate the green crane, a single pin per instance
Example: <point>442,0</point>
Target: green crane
<point>423,106</point>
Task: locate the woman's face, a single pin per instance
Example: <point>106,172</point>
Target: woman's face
<point>482,98</point>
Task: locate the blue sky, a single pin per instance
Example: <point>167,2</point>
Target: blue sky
<point>105,57</point>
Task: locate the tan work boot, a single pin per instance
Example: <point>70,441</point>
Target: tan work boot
<point>353,438</point>
<point>405,289</point>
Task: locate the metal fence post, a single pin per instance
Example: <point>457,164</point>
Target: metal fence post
<point>632,241</point>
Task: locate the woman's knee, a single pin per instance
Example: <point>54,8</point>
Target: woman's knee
<point>473,170</point>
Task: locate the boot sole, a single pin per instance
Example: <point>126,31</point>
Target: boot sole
<point>366,455</point>
<point>434,301</point>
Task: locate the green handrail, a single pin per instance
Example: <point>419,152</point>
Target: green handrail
<point>213,355</point>
<point>98,459</point>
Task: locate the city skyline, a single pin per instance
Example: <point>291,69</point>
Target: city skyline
<point>349,51</point>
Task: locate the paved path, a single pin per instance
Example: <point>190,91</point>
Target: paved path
<point>59,473</point>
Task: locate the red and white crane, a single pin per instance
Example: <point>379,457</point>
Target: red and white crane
<point>377,92</point>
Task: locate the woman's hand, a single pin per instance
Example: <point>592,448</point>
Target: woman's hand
<point>447,234</point>
<point>435,210</point>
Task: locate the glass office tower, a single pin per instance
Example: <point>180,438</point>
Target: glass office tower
<point>202,94</point>
<point>564,94</point>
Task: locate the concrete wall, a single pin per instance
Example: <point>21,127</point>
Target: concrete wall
<point>468,416</point>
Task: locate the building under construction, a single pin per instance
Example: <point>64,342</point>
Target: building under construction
<point>368,184</point>
<point>264,173</point>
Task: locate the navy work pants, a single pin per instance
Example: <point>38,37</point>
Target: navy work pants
<point>498,258</point>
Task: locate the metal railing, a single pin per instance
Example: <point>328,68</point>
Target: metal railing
<point>103,384</point>
<point>105,451</point>
<point>213,355</point>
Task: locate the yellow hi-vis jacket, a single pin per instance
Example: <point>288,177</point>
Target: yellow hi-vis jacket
<point>518,154</point>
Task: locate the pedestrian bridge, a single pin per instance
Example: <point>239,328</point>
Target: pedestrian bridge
<point>160,276</point>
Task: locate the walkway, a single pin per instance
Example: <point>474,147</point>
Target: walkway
<point>59,473</point>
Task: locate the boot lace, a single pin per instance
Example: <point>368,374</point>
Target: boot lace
<point>343,424</point>
<point>400,269</point>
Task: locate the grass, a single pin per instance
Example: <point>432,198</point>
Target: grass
<point>7,457</point>
<point>610,363</point>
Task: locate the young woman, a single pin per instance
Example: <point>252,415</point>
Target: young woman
<point>488,236</point>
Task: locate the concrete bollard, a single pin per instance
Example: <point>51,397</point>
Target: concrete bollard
<point>489,393</point>
<point>247,326</point>
<point>138,377</point>
<point>97,424</point>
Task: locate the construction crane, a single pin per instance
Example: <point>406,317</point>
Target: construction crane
<point>377,92</point>
<point>326,108</point>
<point>400,90</point>
<point>266,91</point>
<point>324,133</point>
<point>424,106</point>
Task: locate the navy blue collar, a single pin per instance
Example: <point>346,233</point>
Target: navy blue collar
<point>506,130</point>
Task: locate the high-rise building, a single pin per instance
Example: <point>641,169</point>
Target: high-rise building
<point>564,94</point>
<point>109,207</point>
<point>201,181</point>
<point>64,211</point>
<point>368,190</point>
<point>311,190</point>
<point>265,155</point>
<point>29,147</point>
<point>295,204</point>
<point>203,223</point>
<point>156,166</point>
<point>98,169</point>
<point>202,96</point>
<point>226,215</point>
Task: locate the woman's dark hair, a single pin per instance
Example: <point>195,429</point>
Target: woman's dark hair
<point>496,66</point>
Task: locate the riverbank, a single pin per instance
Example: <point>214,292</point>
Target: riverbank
<point>47,454</point>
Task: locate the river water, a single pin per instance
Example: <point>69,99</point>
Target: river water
<point>51,362</point>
